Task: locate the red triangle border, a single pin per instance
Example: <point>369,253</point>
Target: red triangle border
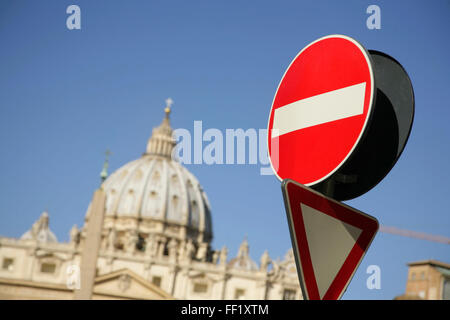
<point>292,192</point>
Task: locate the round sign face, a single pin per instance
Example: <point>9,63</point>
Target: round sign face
<point>320,110</point>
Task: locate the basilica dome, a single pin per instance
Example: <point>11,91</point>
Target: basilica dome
<point>160,189</point>
<point>155,194</point>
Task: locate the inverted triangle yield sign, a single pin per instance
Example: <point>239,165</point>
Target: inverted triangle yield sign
<point>329,240</point>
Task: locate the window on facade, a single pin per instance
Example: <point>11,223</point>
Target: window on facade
<point>156,280</point>
<point>8,264</point>
<point>200,287</point>
<point>289,294</point>
<point>422,275</point>
<point>140,244</point>
<point>48,268</point>
<point>119,242</point>
<point>446,289</point>
<point>239,294</point>
<point>166,250</point>
<point>413,276</point>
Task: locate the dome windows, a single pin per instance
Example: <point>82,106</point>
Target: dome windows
<point>156,179</point>
<point>195,214</point>
<point>158,188</point>
<point>138,176</point>
<point>174,210</point>
<point>123,174</point>
<point>128,202</point>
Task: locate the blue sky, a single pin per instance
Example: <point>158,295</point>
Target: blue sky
<point>66,96</point>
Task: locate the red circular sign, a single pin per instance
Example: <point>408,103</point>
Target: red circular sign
<point>320,110</point>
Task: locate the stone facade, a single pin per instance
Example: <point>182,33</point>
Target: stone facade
<point>31,269</point>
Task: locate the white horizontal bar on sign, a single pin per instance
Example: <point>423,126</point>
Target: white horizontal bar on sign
<point>323,108</point>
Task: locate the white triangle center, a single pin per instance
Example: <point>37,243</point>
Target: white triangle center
<point>330,242</point>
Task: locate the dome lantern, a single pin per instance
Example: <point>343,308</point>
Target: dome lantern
<point>161,143</point>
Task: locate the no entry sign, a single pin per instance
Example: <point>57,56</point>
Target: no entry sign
<point>321,109</point>
<point>340,118</point>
